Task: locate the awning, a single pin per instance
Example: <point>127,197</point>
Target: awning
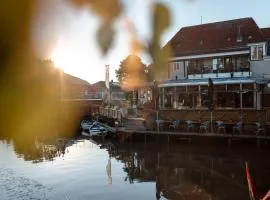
<point>215,82</point>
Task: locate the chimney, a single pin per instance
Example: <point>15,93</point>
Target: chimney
<point>239,36</point>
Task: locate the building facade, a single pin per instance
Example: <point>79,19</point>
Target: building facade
<point>234,54</point>
<point>223,51</point>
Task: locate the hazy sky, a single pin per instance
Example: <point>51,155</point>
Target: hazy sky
<point>69,33</point>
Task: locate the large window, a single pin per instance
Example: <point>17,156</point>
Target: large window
<point>257,52</point>
<point>177,69</point>
<point>218,65</point>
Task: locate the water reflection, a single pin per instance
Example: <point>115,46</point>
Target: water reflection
<point>37,150</point>
<point>192,172</point>
<point>176,172</point>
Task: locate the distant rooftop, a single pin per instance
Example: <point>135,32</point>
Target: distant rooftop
<point>75,80</point>
<point>266,33</point>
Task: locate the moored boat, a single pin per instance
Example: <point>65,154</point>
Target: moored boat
<point>97,129</point>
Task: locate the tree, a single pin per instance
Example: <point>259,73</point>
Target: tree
<point>132,72</point>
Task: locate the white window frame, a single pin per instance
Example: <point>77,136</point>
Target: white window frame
<point>257,45</point>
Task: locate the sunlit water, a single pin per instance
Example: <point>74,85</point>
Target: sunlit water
<point>84,169</point>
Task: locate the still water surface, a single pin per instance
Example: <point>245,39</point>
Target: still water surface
<point>87,169</point>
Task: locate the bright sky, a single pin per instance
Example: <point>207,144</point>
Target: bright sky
<point>68,35</point>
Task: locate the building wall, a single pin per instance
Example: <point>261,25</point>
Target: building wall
<point>195,68</point>
<point>260,69</point>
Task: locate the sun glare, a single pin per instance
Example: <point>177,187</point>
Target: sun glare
<point>72,59</point>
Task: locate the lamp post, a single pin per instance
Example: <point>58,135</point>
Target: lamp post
<point>156,99</point>
<point>210,101</point>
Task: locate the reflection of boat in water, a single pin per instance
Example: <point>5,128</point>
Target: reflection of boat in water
<point>96,128</point>
<point>187,172</point>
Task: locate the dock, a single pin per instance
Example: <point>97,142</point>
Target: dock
<point>135,132</point>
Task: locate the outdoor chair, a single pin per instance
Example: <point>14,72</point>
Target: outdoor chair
<point>160,124</point>
<point>204,127</point>
<point>221,127</point>
<point>260,128</point>
<point>238,127</point>
<point>175,125</point>
<point>190,125</point>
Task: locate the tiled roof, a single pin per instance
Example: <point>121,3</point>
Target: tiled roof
<point>74,80</point>
<point>114,86</point>
<point>215,37</point>
<point>266,33</point>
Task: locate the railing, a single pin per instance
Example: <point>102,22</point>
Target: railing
<point>228,116</point>
<point>92,95</point>
<point>115,113</point>
<point>216,69</point>
<point>220,75</point>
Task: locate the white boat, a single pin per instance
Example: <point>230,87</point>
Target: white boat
<point>86,124</point>
<point>98,129</point>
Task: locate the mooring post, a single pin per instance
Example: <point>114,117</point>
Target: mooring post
<point>211,121</point>
<point>144,139</point>
<point>258,143</point>
<point>229,142</point>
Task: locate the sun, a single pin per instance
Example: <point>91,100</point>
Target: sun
<point>63,57</point>
<point>70,58</point>
<point>79,59</point>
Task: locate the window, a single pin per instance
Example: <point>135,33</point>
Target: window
<point>215,64</point>
<point>218,64</point>
<point>257,52</point>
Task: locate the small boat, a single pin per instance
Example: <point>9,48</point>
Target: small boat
<point>98,129</point>
<point>86,124</point>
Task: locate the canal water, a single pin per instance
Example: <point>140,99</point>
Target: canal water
<point>79,168</point>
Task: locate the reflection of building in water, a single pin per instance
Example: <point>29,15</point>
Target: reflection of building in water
<point>187,174</point>
<point>36,150</point>
<point>109,171</point>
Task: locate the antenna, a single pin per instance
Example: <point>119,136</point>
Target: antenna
<point>201,19</point>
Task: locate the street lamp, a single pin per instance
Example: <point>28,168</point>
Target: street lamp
<point>156,94</point>
<point>210,100</point>
<point>156,99</point>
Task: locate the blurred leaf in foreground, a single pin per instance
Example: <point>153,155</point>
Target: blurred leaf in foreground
<point>107,10</point>
<point>160,21</point>
<point>105,37</point>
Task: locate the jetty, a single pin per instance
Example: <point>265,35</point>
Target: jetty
<point>134,131</point>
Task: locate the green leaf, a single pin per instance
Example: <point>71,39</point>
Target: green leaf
<point>106,10</point>
<point>105,37</point>
<point>161,19</point>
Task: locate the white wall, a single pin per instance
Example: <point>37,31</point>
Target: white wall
<point>260,69</point>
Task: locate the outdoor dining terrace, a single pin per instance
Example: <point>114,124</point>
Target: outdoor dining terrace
<point>215,127</point>
<point>250,122</point>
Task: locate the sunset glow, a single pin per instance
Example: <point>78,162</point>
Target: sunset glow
<point>70,58</point>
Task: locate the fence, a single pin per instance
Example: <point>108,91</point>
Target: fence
<point>116,113</point>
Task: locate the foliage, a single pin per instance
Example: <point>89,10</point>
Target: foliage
<point>132,72</point>
<point>28,89</point>
<point>161,20</point>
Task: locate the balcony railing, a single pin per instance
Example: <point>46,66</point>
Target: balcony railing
<point>91,95</point>
<point>218,71</point>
